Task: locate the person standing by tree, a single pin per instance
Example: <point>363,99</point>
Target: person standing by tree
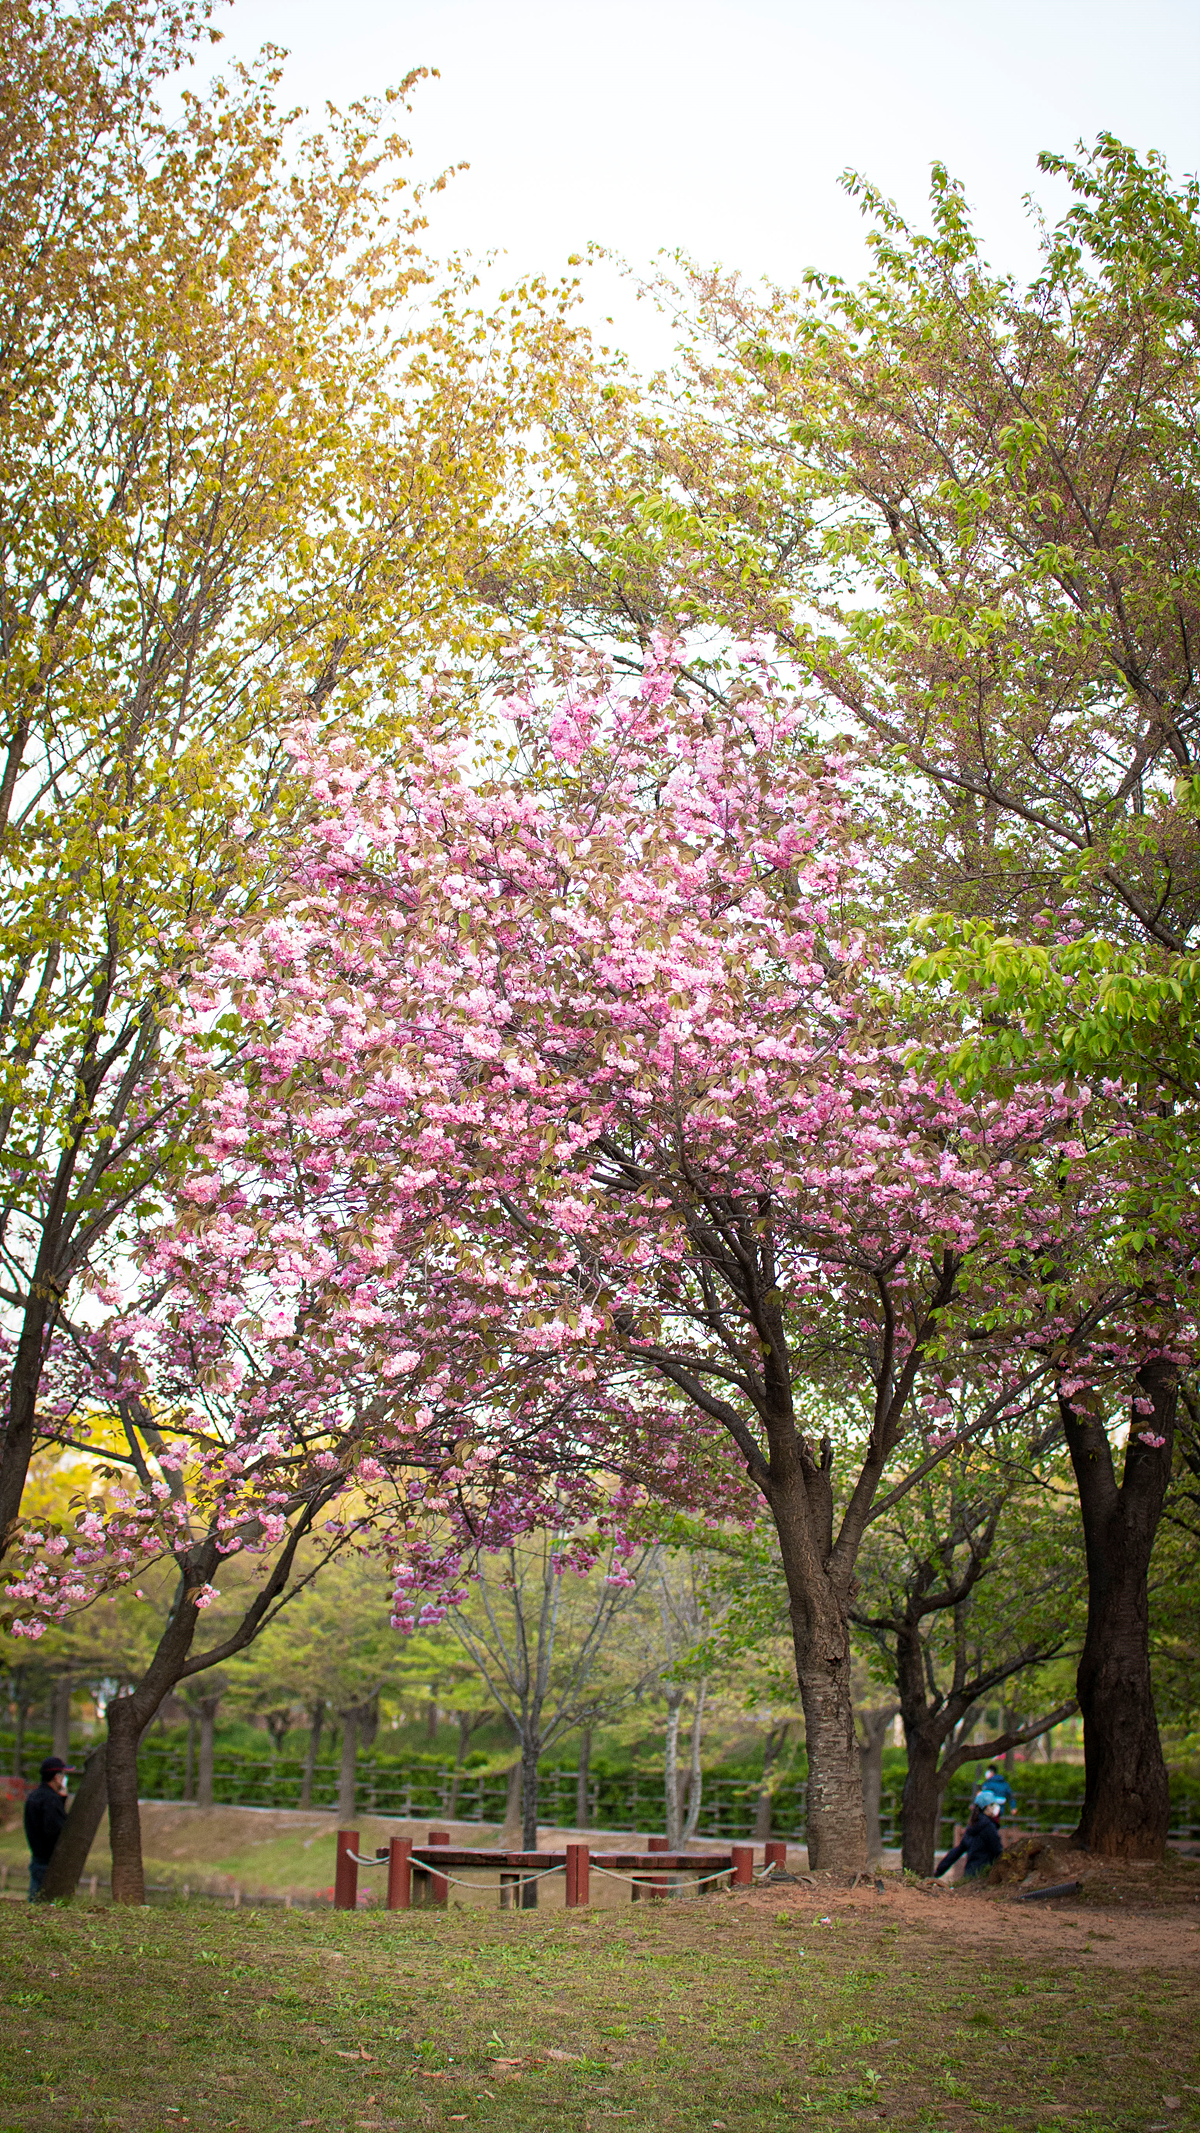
<point>45,1814</point>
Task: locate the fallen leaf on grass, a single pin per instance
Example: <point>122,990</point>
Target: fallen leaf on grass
<point>359,2054</point>
<point>573,2056</point>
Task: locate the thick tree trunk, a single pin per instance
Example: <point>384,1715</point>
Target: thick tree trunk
<point>582,1778</point>
<point>1127,1808</point>
<point>801,1501</point>
<point>60,1719</point>
<point>316,1720</point>
<point>209,1706</point>
<point>837,1830</point>
<point>124,1821</point>
<point>86,1813</point>
<point>922,1801</point>
<point>348,1775</point>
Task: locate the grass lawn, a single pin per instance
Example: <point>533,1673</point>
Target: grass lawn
<point>773,2011</point>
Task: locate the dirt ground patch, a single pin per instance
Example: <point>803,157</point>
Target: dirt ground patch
<point>1127,1917</point>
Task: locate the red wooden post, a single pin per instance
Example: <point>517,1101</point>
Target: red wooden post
<point>345,1876</point>
<point>742,1856</point>
<point>578,1872</point>
<point>657,1884</point>
<point>399,1889</point>
<point>439,1887</point>
<point>776,1854</point>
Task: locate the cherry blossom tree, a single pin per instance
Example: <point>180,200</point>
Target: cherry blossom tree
<point>613,1011</point>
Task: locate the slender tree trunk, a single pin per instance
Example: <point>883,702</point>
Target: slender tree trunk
<point>431,1720</point>
<point>84,1817</point>
<point>1127,1807</point>
<point>766,1803</point>
<point>671,1768</point>
<point>530,1754</point>
<point>209,1706</point>
<point>189,1768</point>
<point>464,1738</point>
<point>16,1450</point>
<point>511,1833</point>
<point>348,1775</point>
<point>316,1720</point>
<point>874,1725</point>
<point>582,1776</point>
<point>60,1719</point>
<point>695,1791</point>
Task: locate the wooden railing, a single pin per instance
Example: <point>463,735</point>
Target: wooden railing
<point>427,1870</point>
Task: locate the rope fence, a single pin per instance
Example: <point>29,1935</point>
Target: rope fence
<point>424,1871</point>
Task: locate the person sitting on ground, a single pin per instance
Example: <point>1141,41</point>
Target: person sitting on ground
<point>45,1814</point>
<point>996,1790</point>
<point>980,1843</point>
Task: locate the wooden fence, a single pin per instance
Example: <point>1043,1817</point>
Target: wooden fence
<point>424,1872</point>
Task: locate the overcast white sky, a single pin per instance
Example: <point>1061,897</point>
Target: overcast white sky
<point>722,126</point>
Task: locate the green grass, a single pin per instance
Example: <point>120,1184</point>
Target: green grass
<point>705,2015</point>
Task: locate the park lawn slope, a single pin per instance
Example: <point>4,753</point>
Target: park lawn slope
<point>799,2008</point>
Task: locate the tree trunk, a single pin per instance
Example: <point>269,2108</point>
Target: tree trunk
<point>766,1802</point>
<point>209,1706</point>
<point>837,1830</point>
<point>464,1738</point>
<point>801,1503</point>
<point>1127,1808</point>
<point>695,1791</point>
<point>16,1445</point>
<point>530,1752</point>
<point>431,1720</point>
<point>60,1719</point>
<point>671,1768</point>
<point>922,1802</point>
<point>84,1817</point>
<point>348,1775</point>
<point>511,1834</point>
<point>582,1776</point>
<point>124,1821</point>
<point>870,1755</point>
<point>316,1720</point>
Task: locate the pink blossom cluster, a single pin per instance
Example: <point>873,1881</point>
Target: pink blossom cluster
<point>578,1136</point>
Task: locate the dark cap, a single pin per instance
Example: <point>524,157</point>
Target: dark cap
<point>52,1766</point>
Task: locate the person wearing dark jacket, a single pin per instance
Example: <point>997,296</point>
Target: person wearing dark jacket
<point>980,1845</point>
<point>45,1814</point>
